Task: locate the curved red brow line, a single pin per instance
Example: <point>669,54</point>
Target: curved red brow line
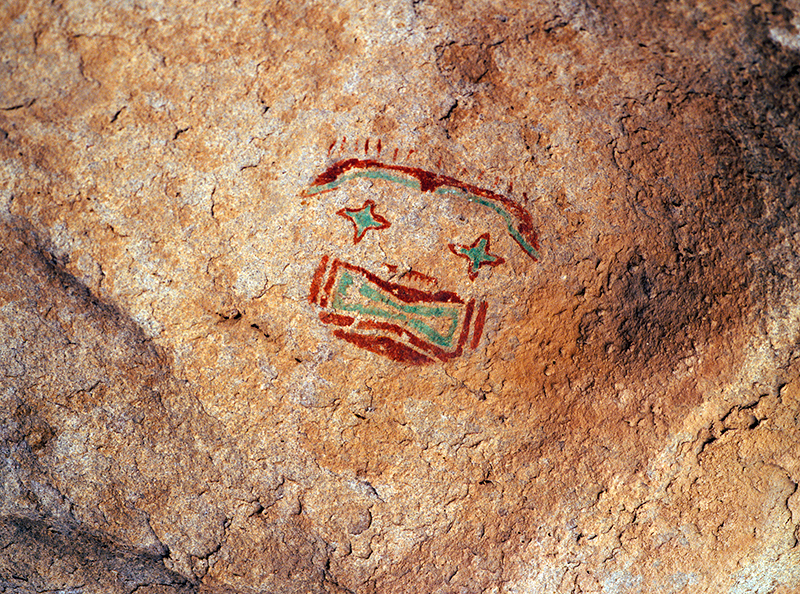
<point>428,182</point>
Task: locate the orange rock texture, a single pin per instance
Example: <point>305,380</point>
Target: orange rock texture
<point>408,296</point>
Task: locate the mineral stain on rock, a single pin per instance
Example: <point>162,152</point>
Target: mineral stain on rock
<point>179,414</point>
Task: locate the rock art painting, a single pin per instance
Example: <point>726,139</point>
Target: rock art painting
<point>364,219</point>
<point>394,320</point>
<point>405,323</point>
<point>478,255</point>
<point>518,220</point>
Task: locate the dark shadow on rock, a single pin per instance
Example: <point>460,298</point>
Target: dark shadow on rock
<point>38,556</point>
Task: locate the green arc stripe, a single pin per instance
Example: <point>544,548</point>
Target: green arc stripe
<point>507,217</point>
<point>413,183</point>
<point>369,174</point>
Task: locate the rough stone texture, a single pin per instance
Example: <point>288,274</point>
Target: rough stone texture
<point>176,416</point>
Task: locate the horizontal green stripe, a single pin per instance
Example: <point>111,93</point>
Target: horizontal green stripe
<point>444,341</point>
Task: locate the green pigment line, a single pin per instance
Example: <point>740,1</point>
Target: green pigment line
<point>414,184</point>
<point>422,310</point>
<point>445,341</point>
<point>499,210</point>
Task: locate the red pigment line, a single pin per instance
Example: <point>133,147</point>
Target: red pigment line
<point>400,331</point>
<point>392,268</point>
<point>429,181</point>
<point>411,152</point>
<point>305,194</point>
<point>440,353</point>
<point>318,279</point>
<point>380,146</point>
<point>480,320</point>
<point>394,158</point>
<point>510,187</point>
<point>339,320</point>
<point>439,163</point>
<point>422,277</point>
<point>464,329</point>
<point>366,146</point>
<point>373,325</point>
<point>329,285</point>
<point>406,294</point>
<point>385,346</point>
<point>330,148</point>
<point>344,140</point>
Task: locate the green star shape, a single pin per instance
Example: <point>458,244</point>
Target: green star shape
<point>364,219</point>
<point>478,255</point>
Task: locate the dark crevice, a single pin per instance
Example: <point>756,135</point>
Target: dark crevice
<point>263,332</point>
<point>116,115</point>
<point>19,105</point>
<point>706,442</point>
<point>231,314</point>
<point>450,111</point>
<point>178,132</point>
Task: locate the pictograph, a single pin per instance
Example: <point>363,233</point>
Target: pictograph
<point>405,323</point>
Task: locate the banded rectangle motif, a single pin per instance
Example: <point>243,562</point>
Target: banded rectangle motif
<point>403,323</point>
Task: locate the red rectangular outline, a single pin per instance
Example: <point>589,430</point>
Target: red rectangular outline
<point>384,345</point>
<point>436,351</point>
<point>403,293</point>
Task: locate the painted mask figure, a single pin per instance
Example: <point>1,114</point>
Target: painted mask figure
<point>399,311</point>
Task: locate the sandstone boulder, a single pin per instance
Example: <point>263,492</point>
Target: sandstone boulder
<point>400,297</point>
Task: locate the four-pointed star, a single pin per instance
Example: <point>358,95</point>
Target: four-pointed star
<point>364,219</point>
<point>478,254</point>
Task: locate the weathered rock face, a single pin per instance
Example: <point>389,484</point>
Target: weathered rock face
<point>407,297</point>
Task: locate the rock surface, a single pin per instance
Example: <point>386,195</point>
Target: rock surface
<point>400,297</point>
